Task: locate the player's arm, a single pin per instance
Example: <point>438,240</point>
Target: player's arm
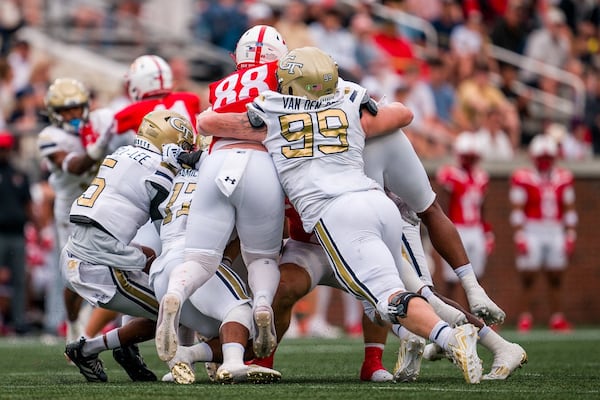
<point>73,163</point>
<point>389,118</point>
<point>231,125</point>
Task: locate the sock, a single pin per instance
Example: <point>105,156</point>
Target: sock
<point>397,330</point>
<point>467,277</point>
<point>263,279</point>
<point>374,351</point>
<point>125,319</point>
<point>440,334</point>
<point>103,342</point>
<point>201,352</point>
<point>233,353</point>
<point>489,339</point>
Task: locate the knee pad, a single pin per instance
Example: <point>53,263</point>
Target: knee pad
<point>241,314</point>
<point>398,306</point>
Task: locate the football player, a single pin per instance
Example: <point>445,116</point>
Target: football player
<point>72,161</point>
<point>544,220</point>
<point>465,185</point>
<point>240,190</point>
<point>218,309</point>
<point>99,260</point>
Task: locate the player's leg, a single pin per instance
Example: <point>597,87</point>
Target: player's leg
<point>259,202</point>
<point>370,272</point>
<point>374,338</point>
<point>210,225</point>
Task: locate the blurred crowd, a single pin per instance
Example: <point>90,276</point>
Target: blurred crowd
<point>457,85</point>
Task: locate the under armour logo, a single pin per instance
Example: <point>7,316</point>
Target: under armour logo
<point>230,180</point>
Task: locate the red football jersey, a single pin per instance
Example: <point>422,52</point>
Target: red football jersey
<point>184,103</point>
<point>232,93</point>
<point>544,195</point>
<point>295,229</point>
<point>467,192</point>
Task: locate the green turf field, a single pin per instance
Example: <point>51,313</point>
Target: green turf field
<point>560,367</point>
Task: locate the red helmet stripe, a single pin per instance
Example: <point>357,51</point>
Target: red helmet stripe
<point>160,74</point>
<point>261,36</point>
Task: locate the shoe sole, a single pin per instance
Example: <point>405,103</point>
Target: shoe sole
<point>183,373</point>
<point>256,375</point>
<point>408,365</point>
<point>166,334</point>
<point>465,354</point>
<point>260,375</point>
<point>265,341</point>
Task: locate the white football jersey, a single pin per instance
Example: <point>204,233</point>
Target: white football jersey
<point>66,186</point>
<point>119,198</point>
<point>308,137</point>
<point>177,206</point>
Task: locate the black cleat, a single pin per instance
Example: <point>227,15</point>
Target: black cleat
<point>90,366</point>
<point>132,362</point>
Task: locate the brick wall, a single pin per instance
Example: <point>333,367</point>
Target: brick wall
<point>582,280</point>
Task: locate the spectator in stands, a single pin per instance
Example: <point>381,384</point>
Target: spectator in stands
<point>20,60</point>
<point>494,142</point>
<point>11,20</point>
<point>221,23</point>
<point>367,52</point>
<point>451,15</point>
<point>7,92</point>
<point>16,210</point>
<point>550,44</point>
<point>25,116</point>
<point>444,93</point>
<point>474,96</point>
<point>332,37</point>
<point>467,43</point>
<point>551,108</point>
<point>292,25</point>
<point>591,116</point>
<point>393,45</point>
<point>510,31</point>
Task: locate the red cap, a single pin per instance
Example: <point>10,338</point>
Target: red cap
<point>7,140</point>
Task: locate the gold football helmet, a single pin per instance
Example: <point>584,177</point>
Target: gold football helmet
<point>63,94</point>
<point>162,127</point>
<point>307,72</point>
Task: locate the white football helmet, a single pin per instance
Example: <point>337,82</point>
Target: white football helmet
<point>148,75</point>
<point>63,94</point>
<point>467,143</point>
<point>260,44</point>
<point>543,145</point>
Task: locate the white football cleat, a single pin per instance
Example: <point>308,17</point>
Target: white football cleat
<point>211,369</point>
<point>462,349</point>
<point>182,366</point>
<point>410,355</point>
<point>246,373</point>
<point>265,338</point>
<point>506,362</point>
<point>166,339</point>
